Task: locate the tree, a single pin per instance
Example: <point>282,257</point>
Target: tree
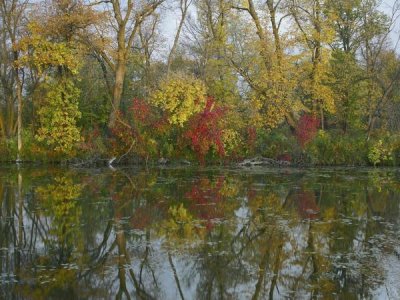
<point>126,19</point>
<point>54,52</point>
<point>12,14</point>
<point>314,22</point>
<point>381,77</point>
<point>348,82</point>
<point>272,79</point>
<point>347,22</point>
<point>183,7</point>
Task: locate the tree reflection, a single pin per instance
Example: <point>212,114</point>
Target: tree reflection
<point>175,234</point>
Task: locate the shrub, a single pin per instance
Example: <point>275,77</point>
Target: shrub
<point>277,144</point>
<point>204,131</point>
<point>336,149</point>
<point>385,151</point>
<point>307,129</point>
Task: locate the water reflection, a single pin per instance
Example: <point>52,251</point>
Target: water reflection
<point>205,234</point>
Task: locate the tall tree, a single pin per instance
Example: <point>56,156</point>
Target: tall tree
<point>382,77</point>
<point>183,7</point>
<point>12,14</point>
<point>314,23</point>
<point>125,19</point>
<point>52,48</point>
<point>273,78</point>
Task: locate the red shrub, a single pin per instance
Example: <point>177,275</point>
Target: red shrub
<point>142,111</point>
<point>204,131</point>
<point>307,129</point>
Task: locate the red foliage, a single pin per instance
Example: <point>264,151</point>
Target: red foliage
<point>251,193</point>
<point>139,123</point>
<point>307,205</point>
<point>142,111</point>
<point>307,129</point>
<point>251,137</point>
<point>204,198</point>
<point>284,157</point>
<point>122,135</point>
<point>89,139</point>
<point>145,216</point>
<point>145,115</point>
<point>204,131</point>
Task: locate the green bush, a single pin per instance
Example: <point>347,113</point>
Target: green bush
<point>336,149</point>
<point>384,151</point>
<point>276,143</point>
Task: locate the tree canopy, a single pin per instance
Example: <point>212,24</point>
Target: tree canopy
<point>278,78</point>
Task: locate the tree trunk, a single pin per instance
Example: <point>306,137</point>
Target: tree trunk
<point>275,32</point>
<point>19,114</point>
<point>176,39</point>
<point>120,72</point>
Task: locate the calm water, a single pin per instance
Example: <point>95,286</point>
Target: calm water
<point>199,234</point>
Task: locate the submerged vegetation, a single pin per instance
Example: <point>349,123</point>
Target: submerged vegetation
<point>304,81</point>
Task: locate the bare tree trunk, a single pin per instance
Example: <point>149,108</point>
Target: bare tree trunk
<point>275,31</point>
<point>126,32</point>
<point>184,5</point>
<point>19,114</point>
<point>120,73</point>
<point>2,129</point>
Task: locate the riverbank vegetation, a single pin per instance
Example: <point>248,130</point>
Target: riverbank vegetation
<point>304,81</point>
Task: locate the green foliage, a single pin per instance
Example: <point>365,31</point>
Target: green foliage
<point>33,150</point>
<point>336,149</point>
<point>385,150</point>
<point>58,116</point>
<point>379,153</point>
<point>277,142</point>
<point>349,87</point>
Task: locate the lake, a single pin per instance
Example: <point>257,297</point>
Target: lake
<point>210,233</point>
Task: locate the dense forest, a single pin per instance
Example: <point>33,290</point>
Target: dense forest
<point>208,81</point>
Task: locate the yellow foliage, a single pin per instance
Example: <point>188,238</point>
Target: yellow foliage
<point>58,116</point>
<point>47,53</point>
<point>181,225</point>
<point>60,199</point>
<point>231,139</point>
<point>180,98</point>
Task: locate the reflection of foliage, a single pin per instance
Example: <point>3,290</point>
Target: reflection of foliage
<point>59,199</point>
<point>181,224</point>
<point>55,283</point>
<point>232,230</point>
<point>307,205</point>
<point>205,199</point>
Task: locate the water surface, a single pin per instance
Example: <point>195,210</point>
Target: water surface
<point>199,234</point>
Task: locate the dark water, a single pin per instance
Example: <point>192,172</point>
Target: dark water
<point>199,234</point>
